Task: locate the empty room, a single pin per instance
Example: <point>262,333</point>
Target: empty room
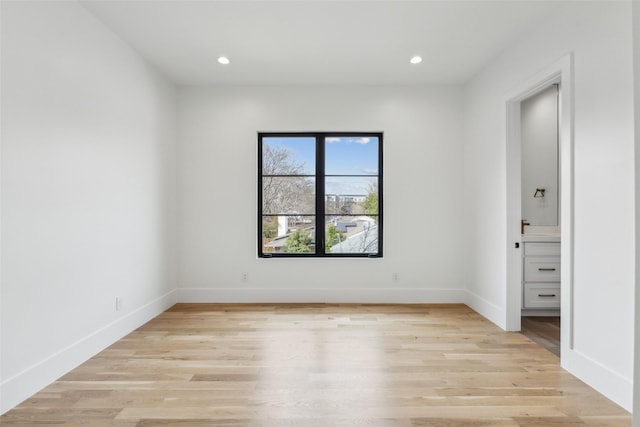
<point>319,213</point>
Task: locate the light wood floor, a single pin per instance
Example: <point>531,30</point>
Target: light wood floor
<point>544,331</point>
<point>321,366</point>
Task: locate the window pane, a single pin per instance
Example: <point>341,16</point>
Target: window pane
<point>351,234</point>
<point>288,156</point>
<point>345,195</point>
<point>288,195</point>
<point>351,155</point>
<point>288,234</point>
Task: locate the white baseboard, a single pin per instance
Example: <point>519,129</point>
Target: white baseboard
<point>604,380</point>
<point>486,309</point>
<point>342,295</point>
<point>24,384</point>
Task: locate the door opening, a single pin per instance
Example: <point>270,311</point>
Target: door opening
<point>549,289</point>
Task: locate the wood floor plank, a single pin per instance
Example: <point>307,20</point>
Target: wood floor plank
<point>308,365</point>
<point>544,331</point>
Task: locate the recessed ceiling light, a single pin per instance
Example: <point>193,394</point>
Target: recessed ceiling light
<point>416,59</point>
<point>224,60</point>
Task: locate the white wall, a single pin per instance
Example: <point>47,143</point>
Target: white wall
<point>599,35</point>
<point>422,194</point>
<point>88,192</point>
<point>539,122</point>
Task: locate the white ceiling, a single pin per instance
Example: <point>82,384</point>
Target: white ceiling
<point>320,42</point>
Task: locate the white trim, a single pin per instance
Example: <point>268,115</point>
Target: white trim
<point>321,295</point>
<point>636,83</point>
<point>513,293</point>
<point>606,381</point>
<point>486,309</point>
<point>34,378</point>
<point>559,72</point>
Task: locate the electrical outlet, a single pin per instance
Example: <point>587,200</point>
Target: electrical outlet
<point>119,303</point>
<point>395,277</point>
<point>245,277</point>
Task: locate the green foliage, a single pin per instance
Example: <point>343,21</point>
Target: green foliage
<point>270,228</point>
<point>298,242</point>
<point>333,237</point>
<point>371,204</point>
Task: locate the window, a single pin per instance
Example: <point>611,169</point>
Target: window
<point>320,194</point>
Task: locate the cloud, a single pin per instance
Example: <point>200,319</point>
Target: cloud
<point>370,170</point>
<point>359,186</point>
<point>347,140</point>
<point>346,188</point>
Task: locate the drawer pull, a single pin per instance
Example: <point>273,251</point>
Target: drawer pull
<point>546,269</point>
<point>547,295</point>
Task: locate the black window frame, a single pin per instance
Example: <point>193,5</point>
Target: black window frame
<point>320,199</point>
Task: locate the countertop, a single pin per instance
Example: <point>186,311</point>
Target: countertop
<point>540,238</point>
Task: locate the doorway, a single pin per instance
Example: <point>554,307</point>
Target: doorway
<point>540,243</point>
<point>557,74</point>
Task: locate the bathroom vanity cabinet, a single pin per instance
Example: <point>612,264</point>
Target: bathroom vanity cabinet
<point>540,277</point>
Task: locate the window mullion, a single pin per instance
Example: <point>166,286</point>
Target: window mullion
<point>320,198</point>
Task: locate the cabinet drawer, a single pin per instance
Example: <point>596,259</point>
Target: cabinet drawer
<point>541,295</point>
<point>542,269</point>
<point>542,249</point>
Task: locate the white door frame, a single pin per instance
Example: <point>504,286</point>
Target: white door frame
<point>560,72</point>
